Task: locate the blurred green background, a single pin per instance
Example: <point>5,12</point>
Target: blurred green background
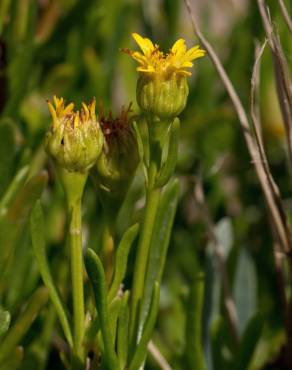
<point>71,48</point>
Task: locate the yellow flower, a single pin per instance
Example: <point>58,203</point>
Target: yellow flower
<point>162,87</point>
<point>153,60</point>
<point>75,139</point>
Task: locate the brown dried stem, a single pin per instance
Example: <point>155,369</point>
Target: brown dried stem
<point>278,256</point>
<point>272,199</point>
<point>282,76</point>
<point>158,357</point>
<point>286,15</point>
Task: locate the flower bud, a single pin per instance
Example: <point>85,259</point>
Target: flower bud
<point>119,158</point>
<point>75,139</point>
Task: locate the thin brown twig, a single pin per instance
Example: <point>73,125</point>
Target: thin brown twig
<point>286,15</point>
<point>283,83</point>
<point>255,122</point>
<point>229,304</point>
<point>275,208</point>
<point>158,357</point>
<point>278,258</point>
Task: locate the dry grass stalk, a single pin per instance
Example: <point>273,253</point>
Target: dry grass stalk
<point>286,15</point>
<point>275,207</point>
<point>283,82</point>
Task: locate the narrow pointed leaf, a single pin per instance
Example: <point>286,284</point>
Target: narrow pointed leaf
<point>123,334</point>
<point>141,350</point>
<point>14,221</point>
<point>121,259</point>
<point>194,351</point>
<point>248,343</point>
<point>13,188</point>
<point>20,327</point>
<point>168,167</point>
<point>38,242</point>
<point>159,244</point>
<point>97,277</point>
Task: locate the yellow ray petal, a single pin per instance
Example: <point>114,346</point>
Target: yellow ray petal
<point>148,69</point>
<point>194,53</point>
<point>145,44</point>
<point>179,46</point>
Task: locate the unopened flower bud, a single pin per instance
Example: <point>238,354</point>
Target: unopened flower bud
<point>119,158</point>
<point>75,139</point>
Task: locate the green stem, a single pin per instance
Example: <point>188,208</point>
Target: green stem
<point>77,275</point>
<point>73,184</point>
<point>152,200</point>
<point>108,251</point>
<point>157,136</point>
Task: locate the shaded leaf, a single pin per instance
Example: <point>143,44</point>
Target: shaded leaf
<point>37,228</point>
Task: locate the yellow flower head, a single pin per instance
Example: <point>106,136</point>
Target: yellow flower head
<point>153,60</point>
<point>65,114</point>
<point>75,139</point>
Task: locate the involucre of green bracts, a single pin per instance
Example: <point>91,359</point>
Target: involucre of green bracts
<point>75,149</point>
<point>164,97</point>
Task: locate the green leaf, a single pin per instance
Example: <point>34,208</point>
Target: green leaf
<point>7,153</point>
<point>4,7</point>
<point>4,321</point>
<point>142,154</point>
<point>159,244</point>
<point>245,289</point>
<point>219,329</point>
<point>12,224</point>
<point>193,351</point>
<point>123,334</point>
<point>141,349</point>
<point>248,343</point>
<point>169,165</point>
<point>97,277</point>
<point>13,361</point>
<point>121,259</point>
<point>114,311</point>
<point>22,324</point>
<point>39,247</point>
<point>12,190</point>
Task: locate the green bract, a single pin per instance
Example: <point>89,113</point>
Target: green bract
<point>165,97</point>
